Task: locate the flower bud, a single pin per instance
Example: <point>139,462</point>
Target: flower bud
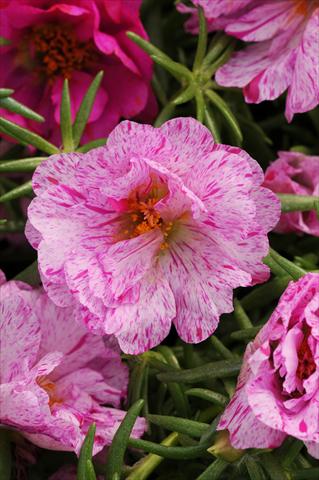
<point>223,449</point>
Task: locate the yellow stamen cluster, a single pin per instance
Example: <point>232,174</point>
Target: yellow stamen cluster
<point>142,216</point>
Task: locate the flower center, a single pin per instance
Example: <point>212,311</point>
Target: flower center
<point>50,389</point>
<point>306,365</point>
<point>141,215</point>
<point>304,7</point>
<point>57,51</point>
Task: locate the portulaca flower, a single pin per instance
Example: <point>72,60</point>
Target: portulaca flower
<point>278,387</point>
<point>283,54</point>
<point>158,226</point>
<point>55,376</point>
<point>297,174</point>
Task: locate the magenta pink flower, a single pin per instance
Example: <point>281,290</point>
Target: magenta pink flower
<point>52,40</point>
<point>284,54</point>
<point>55,376</point>
<point>278,388</point>
<point>158,226</point>
<point>295,173</point>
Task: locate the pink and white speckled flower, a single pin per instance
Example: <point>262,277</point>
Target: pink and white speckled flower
<point>55,376</point>
<point>278,387</point>
<point>158,226</point>
<point>284,54</point>
<point>295,173</point>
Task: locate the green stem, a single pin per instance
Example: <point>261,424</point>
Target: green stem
<point>208,395</point>
<point>6,92</point>
<point>188,355</point>
<point>165,114</point>
<point>21,191</point>
<point>159,90</point>
<point>177,393</point>
<point>209,413</point>
<point>273,467</point>
<point>180,425</point>
<point>245,334</point>
<point>289,450</point>
<point>228,115</point>
<point>208,371</point>
<point>85,108</point>
<point>148,464</point>
<point>202,40</point>
<point>241,316</point>
<point>214,471</point>
<point>20,166</point>
<point>281,266</point>
<point>254,469</point>
<point>219,42</point>
<point>26,137</point>
<point>17,107</point>
<point>185,96</point>
<point>177,70</point>
<point>264,294</point>
<point>211,124</point>
<point>86,454</point>
<point>65,119</point>
<point>116,452</point>
<point>211,69</point>
<point>293,203</point>
<point>174,453</point>
<point>99,142</point>
<point>200,105</point>
<point>90,472</point>
<point>220,347</point>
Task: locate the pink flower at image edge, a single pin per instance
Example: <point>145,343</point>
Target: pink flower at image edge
<point>296,174</point>
<point>283,54</point>
<point>75,40</point>
<point>278,388</point>
<point>55,376</point>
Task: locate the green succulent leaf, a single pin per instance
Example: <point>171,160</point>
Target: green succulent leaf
<point>232,123</point>
<point>85,109</point>
<point>282,266</point>
<point>13,106</point>
<point>121,440</point>
<point>180,425</point>
<point>65,118</point>
<point>99,142</point>
<point>220,369</point>
<point>294,203</point>
<point>84,470</point>
<point>21,191</point>
<point>202,40</point>
<point>23,165</point>
<point>26,137</point>
<point>6,92</point>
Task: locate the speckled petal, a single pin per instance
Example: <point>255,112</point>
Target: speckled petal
<point>148,321</point>
<point>19,334</point>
